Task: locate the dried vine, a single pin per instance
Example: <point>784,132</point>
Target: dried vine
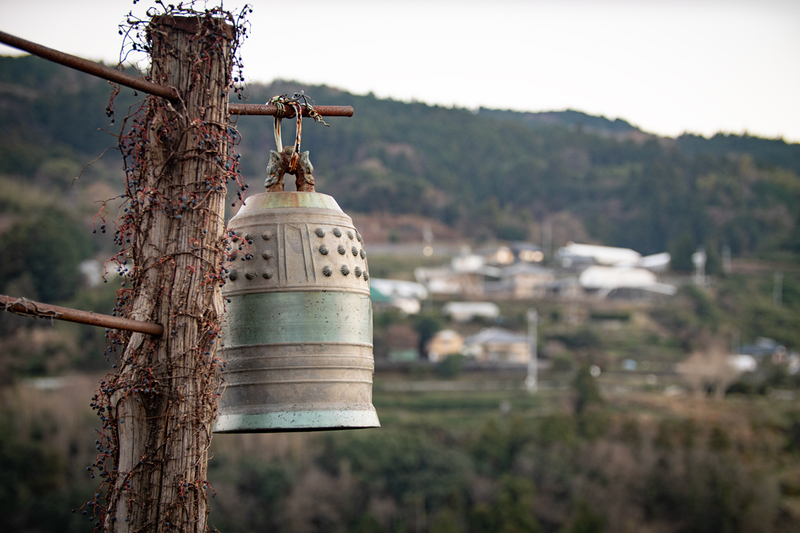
<point>157,405</point>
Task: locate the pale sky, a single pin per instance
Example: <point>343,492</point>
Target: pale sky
<point>701,66</point>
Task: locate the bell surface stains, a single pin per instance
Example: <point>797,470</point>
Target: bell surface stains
<point>298,338</point>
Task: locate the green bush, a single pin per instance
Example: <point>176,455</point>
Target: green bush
<point>561,363</point>
<point>450,366</point>
<point>47,246</point>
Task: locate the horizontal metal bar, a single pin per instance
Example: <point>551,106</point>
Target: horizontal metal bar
<point>25,307</point>
<point>269,109</point>
<point>90,67</point>
<point>140,84</point>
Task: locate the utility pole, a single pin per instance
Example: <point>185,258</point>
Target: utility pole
<point>162,400</point>
<point>547,238</point>
<point>726,259</point>
<point>531,381</point>
<point>699,260</point>
<point>777,290</point>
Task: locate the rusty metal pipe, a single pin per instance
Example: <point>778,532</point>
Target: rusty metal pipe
<point>140,84</point>
<point>90,67</point>
<point>269,109</point>
<point>24,307</point>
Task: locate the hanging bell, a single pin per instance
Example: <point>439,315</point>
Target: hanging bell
<point>298,327</point>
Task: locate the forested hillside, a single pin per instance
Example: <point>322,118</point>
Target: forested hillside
<point>489,174</point>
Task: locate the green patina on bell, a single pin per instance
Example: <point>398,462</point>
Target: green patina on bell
<point>298,328</point>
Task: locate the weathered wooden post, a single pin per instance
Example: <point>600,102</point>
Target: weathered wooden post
<point>159,405</point>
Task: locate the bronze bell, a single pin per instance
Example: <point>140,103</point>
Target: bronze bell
<point>298,327</point>
<point>298,332</point>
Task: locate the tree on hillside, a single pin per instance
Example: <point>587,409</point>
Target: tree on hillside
<point>709,369</point>
<point>587,392</point>
<point>680,251</point>
<point>42,252</point>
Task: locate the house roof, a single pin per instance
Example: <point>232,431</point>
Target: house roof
<point>762,347</point>
<point>603,277</point>
<point>526,268</point>
<point>490,271</point>
<point>471,307</point>
<point>519,246</point>
<point>604,255</point>
<point>377,296</point>
<point>447,334</point>
<point>399,287</point>
<point>493,334</point>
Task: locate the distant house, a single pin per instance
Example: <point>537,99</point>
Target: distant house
<point>793,363</point>
<point>400,288</point>
<point>444,343</point>
<point>466,311</point>
<point>497,255</point>
<point>525,252</point>
<point>512,273</point>
<point>380,301</point>
<point>397,294</point>
<point>564,288</point>
<point>498,345</point>
<point>602,280</point>
<point>765,347</point>
<point>92,272</point>
<point>467,262</point>
<point>600,255</point>
<point>656,262</point>
<point>409,306</point>
<point>526,280</point>
<point>520,281</point>
<point>520,252</point>
<point>446,281</point>
<point>580,256</point>
<point>743,363</point>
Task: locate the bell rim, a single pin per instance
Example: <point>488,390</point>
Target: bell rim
<point>283,421</point>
